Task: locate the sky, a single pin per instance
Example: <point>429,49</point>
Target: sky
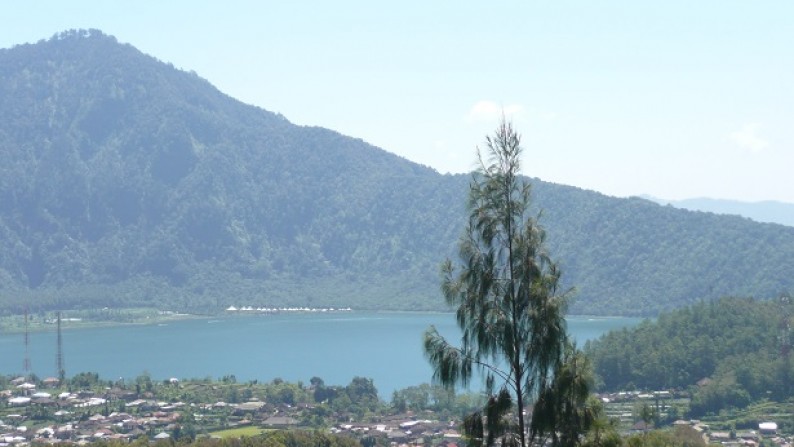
<point>675,99</point>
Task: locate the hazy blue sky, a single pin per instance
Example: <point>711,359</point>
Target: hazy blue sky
<point>670,98</point>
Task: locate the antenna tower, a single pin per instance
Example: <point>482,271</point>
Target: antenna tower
<point>786,340</point>
<point>26,364</point>
<point>59,356</point>
<point>785,325</point>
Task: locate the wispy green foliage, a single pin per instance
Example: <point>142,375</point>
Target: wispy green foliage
<point>567,409</point>
<point>508,301</point>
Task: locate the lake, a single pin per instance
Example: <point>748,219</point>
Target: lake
<point>386,347</point>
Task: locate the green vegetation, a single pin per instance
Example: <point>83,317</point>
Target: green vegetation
<point>747,418</point>
<point>290,438</point>
<point>127,183</point>
<point>727,353</point>
<point>511,311</point>
<point>238,432</point>
<point>679,437</point>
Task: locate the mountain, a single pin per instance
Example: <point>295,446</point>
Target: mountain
<point>126,182</point>
<point>768,211</point>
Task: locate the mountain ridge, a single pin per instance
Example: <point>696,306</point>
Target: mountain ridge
<point>767,211</point>
<point>124,181</point>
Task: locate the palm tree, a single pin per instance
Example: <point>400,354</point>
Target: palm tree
<point>507,296</point>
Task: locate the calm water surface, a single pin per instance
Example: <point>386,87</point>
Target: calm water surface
<point>386,347</point>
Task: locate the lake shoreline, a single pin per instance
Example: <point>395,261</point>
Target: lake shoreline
<point>75,318</point>
<point>383,346</point>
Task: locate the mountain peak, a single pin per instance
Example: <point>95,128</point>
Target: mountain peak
<point>82,34</point>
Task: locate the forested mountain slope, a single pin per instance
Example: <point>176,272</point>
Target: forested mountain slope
<point>729,352</point>
<point>126,182</point>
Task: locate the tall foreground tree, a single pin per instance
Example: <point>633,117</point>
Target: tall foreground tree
<point>510,307</point>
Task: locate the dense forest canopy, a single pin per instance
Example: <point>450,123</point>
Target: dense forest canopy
<point>730,352</point>
<point>126,182</point>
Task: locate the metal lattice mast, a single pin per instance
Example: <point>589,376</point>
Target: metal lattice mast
<point>59,356</point>
<point>785,325</point>
<point>26,364</point>
<point>785,340</point>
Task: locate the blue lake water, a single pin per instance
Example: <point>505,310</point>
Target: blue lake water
<point>386,347</point>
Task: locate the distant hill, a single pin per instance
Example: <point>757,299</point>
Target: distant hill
<point>731,348</point>
<point>767,211</point>
<point>126,182</point>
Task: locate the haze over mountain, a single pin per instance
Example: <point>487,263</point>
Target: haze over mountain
<point>767,211</point>
<point>126,182</point>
